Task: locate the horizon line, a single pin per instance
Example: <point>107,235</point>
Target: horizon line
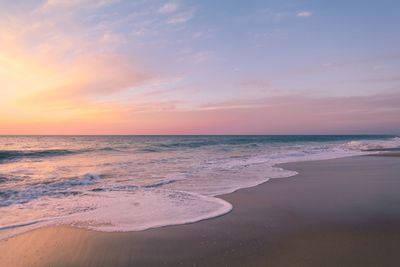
<point>281,134</point>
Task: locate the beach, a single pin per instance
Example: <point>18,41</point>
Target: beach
<point>199,133</point>
<point>340,212</point>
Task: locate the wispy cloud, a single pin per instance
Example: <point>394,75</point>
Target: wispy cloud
<point>51,60</point>
<point>180,18</point>
<point>359,114</point>
<point>54,5</point>
<point>168,8</point>
<point>304,14</point>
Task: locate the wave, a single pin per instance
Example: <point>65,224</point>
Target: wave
<point>125,211</point>
<point>6,155</point>
<point>61,188</point>
<point>160,183</point>
<point>15,154</point>
<point>391,144</point>
<point>190,142</point>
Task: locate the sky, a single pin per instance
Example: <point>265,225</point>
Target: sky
<point>199,67</point>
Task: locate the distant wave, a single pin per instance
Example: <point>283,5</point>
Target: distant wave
<point>188,142</point>
<point>19,154</point>
<point>15,154</point>
<point>391,144</point>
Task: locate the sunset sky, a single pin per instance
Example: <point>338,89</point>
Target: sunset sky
<point>199,67</point>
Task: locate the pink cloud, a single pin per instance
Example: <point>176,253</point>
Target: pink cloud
<point>280,115</point>
<point>275,115</point>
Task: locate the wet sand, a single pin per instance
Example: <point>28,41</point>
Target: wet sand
<point>342,212</point>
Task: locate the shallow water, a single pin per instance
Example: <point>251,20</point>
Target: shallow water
<point>126,183</point>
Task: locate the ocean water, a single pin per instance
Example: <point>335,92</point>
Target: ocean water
<point>131,183</point>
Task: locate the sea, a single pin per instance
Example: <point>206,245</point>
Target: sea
<point>133,183</point>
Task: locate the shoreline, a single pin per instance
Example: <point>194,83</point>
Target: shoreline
<point>218,197</point>
<point>252,208</point>
<point>15,229</point>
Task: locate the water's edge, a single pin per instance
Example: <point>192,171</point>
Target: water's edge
<point>228,207</point>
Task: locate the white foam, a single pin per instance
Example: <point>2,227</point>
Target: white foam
<point>366,145</point>
<point>121,211</point>
<point>142,210</point>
